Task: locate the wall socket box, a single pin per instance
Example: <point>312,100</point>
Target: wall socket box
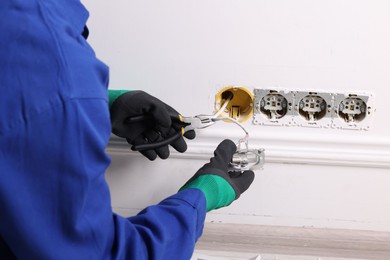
<point>320,109</point>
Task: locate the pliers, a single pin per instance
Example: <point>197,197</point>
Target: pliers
<point>196,122</point>
<point>187,124</point>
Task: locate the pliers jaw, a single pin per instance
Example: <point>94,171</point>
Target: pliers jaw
<point>197,122</point>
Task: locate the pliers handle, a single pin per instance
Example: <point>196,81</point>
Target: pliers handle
<point>187,123</point>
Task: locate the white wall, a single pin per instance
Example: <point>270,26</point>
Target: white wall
<point>185,51</point>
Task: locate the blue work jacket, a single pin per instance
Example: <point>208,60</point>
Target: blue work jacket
<point>54,127</point>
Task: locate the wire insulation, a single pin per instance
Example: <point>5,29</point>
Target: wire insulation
<point>216,117</point>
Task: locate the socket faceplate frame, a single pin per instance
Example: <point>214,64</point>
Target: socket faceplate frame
<point>260,117</point>
<point>349,110</point>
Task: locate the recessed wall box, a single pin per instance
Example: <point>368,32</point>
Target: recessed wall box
<point>240,106</point>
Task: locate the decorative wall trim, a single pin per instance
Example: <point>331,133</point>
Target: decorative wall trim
<point>297,148</point>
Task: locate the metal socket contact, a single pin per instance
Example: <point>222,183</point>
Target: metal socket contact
<point>250,159</point>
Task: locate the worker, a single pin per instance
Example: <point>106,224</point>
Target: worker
<point>55,123</point>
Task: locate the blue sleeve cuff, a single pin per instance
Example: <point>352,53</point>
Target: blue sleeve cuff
<point>194,198</point>
<point>177,220</point>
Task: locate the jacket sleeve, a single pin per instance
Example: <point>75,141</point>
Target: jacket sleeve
<point>166,231</point>
<point>54,128</point>
<point>56,201</point>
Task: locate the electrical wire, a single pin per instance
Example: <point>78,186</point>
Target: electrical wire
<point>223,107</point>
<point>243,161</point>
<point>216,117</point>
<point>234,121</point>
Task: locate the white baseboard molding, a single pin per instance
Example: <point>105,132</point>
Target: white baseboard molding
<point>333,150</point>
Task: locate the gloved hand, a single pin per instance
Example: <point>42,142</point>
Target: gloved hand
<point>158,126</point>
<point>220,186</point>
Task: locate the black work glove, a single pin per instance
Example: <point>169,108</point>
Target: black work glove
<point>157,124</point>
<point>220,186</point>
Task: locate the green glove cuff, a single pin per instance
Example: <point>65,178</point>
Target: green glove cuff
<point>114,94</point>
<point>218,192</point>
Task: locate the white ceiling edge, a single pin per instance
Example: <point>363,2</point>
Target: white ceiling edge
<point>353,151</point>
